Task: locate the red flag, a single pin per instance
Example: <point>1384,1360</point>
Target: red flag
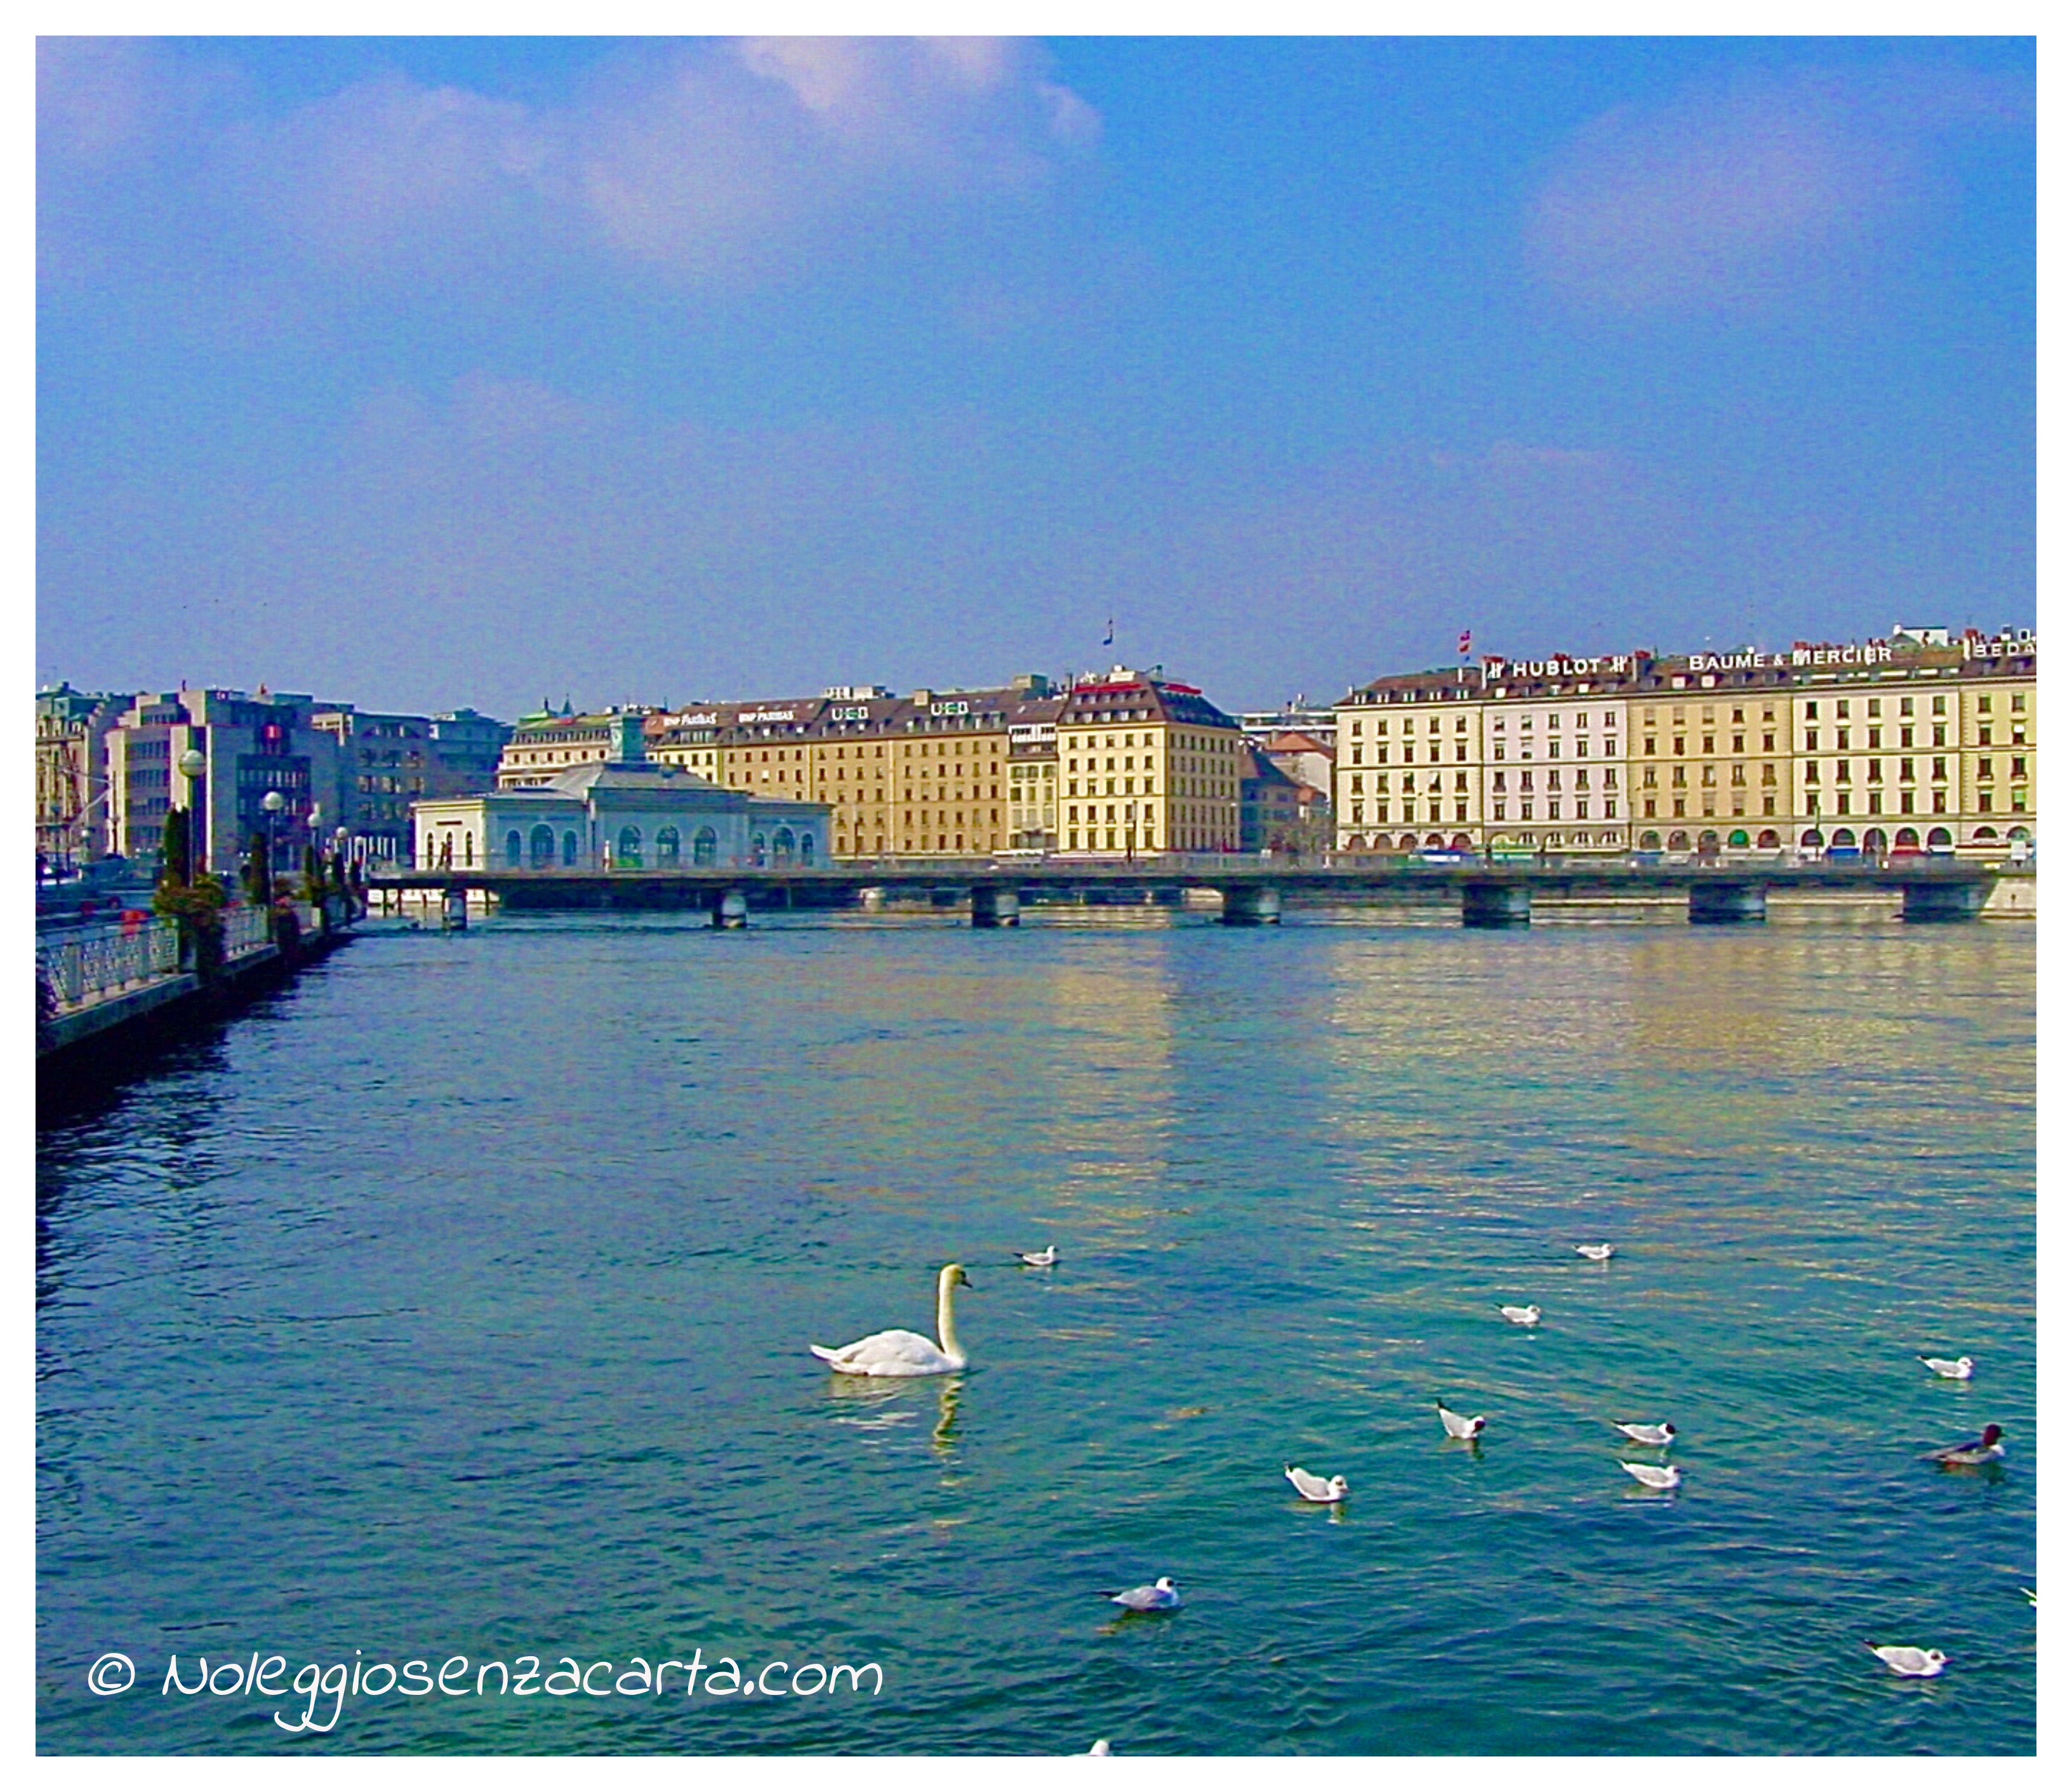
<point>1467,642</point>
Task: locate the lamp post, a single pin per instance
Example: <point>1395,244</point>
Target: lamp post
<point>273,802</point>
<point>193,764</point>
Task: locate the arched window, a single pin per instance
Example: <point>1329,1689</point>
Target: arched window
<point>1680,841</point>
<point>782,845</point>
<point>668,847</point>
<point>2018,833</point>
<point>1767,840</point>
<point>1906,837</point>
<point>806,849</point>
<point>1650,841</point>
<point>543,848</point>
<point>1939,836</point>
<point>1983,833</point>
<point>759,850</point>
<point>1461,844</point>
<point>514,849</point>
<point>1708,841</point>
<point>628,855</point>
<point>704,847</point>
<point>570,847</point>
<point>1738,838</point>
<point>1811,839</point>
<point>1437,841</point>
<point>1874,840</point>
<point>1408,844</point>
<point>467,848</point>
<point>1845,837</point>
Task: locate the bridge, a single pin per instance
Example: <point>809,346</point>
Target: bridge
<point>1252,891</point>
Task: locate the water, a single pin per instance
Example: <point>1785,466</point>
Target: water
<point>455,1303</point>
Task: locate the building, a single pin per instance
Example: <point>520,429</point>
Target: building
<point>1269,805</point>
<point>933,773</point>
<point>386,762</point>
<point>71,774</point>
<point>1922,742</point>
<point>1148,765</point>
<point>247,746</point>
<point>542,745</point>
<point>625,813</point>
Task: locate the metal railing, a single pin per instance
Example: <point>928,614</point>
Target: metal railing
<point>244,931</point>
<point>88,965</point>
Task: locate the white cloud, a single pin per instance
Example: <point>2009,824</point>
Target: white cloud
<point>686,160</point>
<point>1734,197</point>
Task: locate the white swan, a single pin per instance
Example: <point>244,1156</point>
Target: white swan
<point>904,1353</point>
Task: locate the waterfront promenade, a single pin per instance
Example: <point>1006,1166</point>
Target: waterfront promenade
<point>110,989</point>
<point>1252,891</point>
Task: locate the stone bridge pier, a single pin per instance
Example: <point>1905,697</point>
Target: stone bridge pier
<point>1250,906</point>
<point>1725,904</point>
<point>994,906</point>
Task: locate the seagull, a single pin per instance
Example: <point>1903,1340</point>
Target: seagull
<point>1039,1259</point>
<point>1100,1747</point>
<point>1661,1480</point>
<point>1457,1426</point>
<point>1986,1447</point>
<point>1913,1664</point>
<point>1315,1487</point>
<point>1657,1436</point>
<point>1597,1253</point>
<point>1160,1596</point>
<point>1960,1370</point>
<point>1521,1316</point>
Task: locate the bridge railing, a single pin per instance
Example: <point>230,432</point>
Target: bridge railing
<point>87,965</point>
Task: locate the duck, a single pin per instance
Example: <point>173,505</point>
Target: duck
<point>905,1353</point>
<point>1950,1369</point>
<point>1467,1429</point>
<point>1160,1596</point>
<point>1655,1436</point>
<point>1986,1447</point>
<point>1039,1259</point>
<point>1597,1253</point>
<point>1648,1475</point>
<point>1315,1487</point>
<point>1911,1663</point>
<point>1521,1316</point>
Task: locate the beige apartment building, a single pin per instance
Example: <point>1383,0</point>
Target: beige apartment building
<point>1922,742</point>
<point>1114,765</point>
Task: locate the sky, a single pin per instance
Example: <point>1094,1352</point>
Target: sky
<point>419,373</point>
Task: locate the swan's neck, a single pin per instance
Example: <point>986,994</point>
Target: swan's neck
<point>946,1317</point>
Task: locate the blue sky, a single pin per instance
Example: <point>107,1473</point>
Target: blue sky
<point>428,372</point>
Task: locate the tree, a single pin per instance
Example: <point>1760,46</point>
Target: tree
<point>176,861</point>
<point>258,875</point>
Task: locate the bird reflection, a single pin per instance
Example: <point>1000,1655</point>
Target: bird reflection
<point>949,1390</point>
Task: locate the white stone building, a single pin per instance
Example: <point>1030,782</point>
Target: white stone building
<point>626,815</point>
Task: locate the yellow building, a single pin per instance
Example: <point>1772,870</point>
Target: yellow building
<point>1922,742</point>
<point>1146,766</point>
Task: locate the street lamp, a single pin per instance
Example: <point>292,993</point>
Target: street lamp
<point>273,802</point>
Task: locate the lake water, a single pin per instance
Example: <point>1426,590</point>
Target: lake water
<point>456,1303</point>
